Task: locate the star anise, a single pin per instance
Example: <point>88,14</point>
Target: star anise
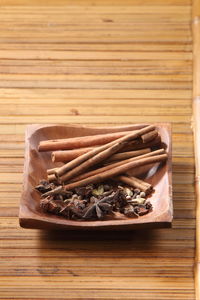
<point>100,208</point>
<point>45,186</point>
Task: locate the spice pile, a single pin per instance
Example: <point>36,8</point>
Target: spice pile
<point>93,202</point>
<point>94,180</point>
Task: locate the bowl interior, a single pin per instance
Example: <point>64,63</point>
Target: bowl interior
<point>36,163</point>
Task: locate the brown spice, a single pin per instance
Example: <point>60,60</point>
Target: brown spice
<point>116,171</point>
<point>137,183</point>
<point>81,159</point>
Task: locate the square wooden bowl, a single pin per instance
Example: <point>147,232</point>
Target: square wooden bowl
<point>36,163</point>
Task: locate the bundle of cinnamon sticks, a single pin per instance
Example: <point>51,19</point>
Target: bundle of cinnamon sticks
<point>98,158</point>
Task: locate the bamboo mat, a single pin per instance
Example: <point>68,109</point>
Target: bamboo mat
<point>97,63</point>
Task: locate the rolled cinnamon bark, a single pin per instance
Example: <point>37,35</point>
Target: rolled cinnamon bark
<point>113,165</point>
<point>99,157</point>
<point>51,171</point>
<point>81,159</point>
<point>138,144</point>
<point>102,156</point>
<point>149,136</point>
<point>52,178</point>
<point>68,155</point>
<point>136,183</point>
<point>116,171</point>
<point>80,142</point>
<point>126,155</point>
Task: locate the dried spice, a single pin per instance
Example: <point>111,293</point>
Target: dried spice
<point>95,184</point>
<point>98,191</point>
<point>45,186</point>
<point>100,207</point>
<point>84,190</point>
<point>93,202</point>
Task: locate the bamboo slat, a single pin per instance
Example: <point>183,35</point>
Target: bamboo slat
<point>98,63</point>
<point>185,47</point>
<point>98,94</point>
<point>79,55</point>
<point>23,4</point>
<point>196,128</point>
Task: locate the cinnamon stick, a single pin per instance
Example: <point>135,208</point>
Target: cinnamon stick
<point>52,178</point>
<point>92,161</point>
<point>51,171</point>
<point>138,144</point>
<point>97,159</point>
<point>149,136</point>
<point>80,142</point>
<point>113,165</point>
<point>136,183</point>
<point>68,155</point>
<point>81,159</point>
<point>116,171</point>
<point>126,155</point>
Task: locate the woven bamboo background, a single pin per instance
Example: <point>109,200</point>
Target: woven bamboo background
<point>98,63</point>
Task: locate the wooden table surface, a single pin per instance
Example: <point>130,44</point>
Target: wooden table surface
<point>98,63</point>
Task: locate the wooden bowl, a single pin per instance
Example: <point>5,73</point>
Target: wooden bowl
<point>36,163</point>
